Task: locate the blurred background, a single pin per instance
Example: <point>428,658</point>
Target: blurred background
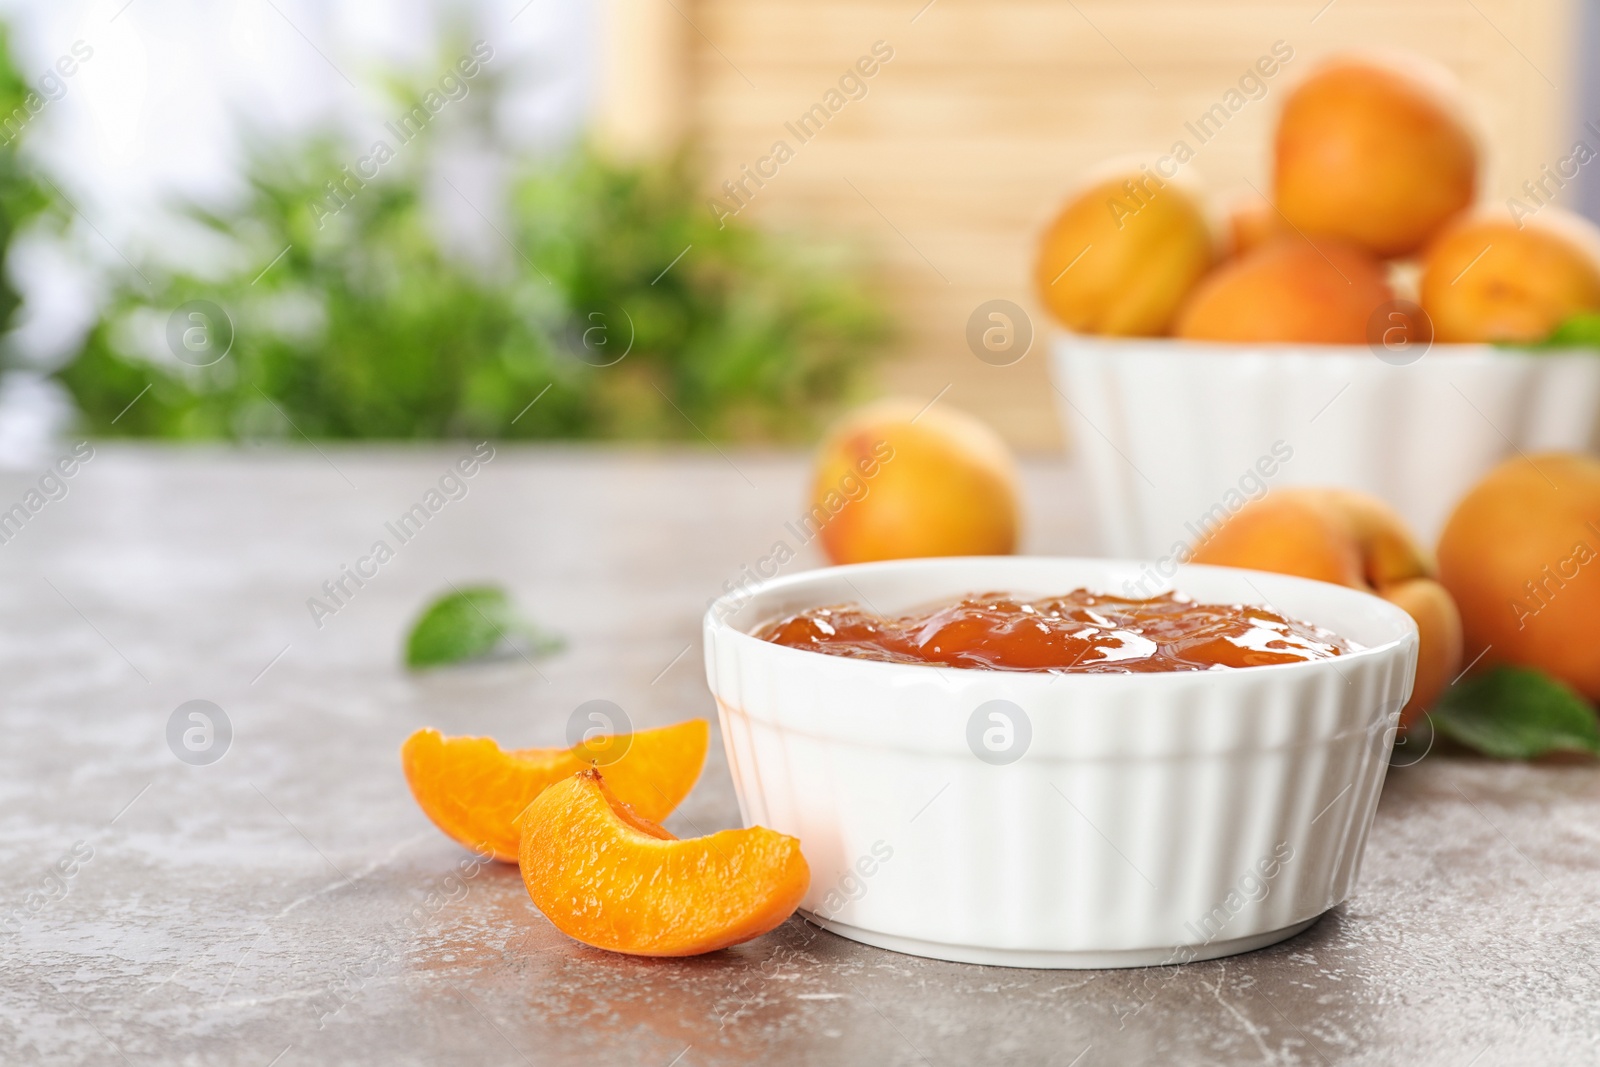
<point>422,219</point>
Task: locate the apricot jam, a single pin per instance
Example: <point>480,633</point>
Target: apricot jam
<point>1079,632</point>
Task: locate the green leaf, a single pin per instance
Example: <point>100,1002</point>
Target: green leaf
<point>470,624</point>
<point>1577,331</point>
<point>1517,713</point>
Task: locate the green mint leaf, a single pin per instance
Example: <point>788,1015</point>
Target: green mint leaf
<point>1577,331</point>
<point>1517,713</point>
<point>470,624</point>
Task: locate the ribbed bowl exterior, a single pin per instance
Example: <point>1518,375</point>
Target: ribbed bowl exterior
<point>1147,812</point>
<point>1169,429</point>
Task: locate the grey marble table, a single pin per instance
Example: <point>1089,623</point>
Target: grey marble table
<point>287,904</point>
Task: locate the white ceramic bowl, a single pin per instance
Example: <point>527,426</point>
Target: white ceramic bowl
<point>1105,820</point>
<point>1170,431</point>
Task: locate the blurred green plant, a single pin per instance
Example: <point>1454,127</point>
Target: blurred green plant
<point>21,195</point>
<point>623,310</point>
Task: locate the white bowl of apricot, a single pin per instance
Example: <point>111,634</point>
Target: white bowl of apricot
<point>1037,762</point>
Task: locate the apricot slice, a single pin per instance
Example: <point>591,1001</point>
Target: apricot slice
<point>474,790</point>
<point>612,879</point>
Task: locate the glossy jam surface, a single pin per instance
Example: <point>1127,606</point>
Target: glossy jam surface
<point>1078,632</point>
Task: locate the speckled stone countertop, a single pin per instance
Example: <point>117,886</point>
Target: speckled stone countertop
<point>288,904</point>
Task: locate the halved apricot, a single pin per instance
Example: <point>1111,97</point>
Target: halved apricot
<point>473,789</point>
<point>610,878</point>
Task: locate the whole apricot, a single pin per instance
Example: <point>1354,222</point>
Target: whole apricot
<point>1521,555</point>
<point>1288,290</point>
<point>1440,641</point>
<point>1490,279</point>
<point>1351,539</point>
<point>1375,155</point>
<point>1122,254</point>
<point>899,479</point>
<point>1251,223</point>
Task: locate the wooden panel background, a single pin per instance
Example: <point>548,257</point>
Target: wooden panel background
<point>967,138</point>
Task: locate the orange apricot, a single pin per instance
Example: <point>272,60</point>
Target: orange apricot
<point>1375,154</point>
<point>1288,532</point>
<point>474,790</point>
<point>1439,639</point>
<point>1121,255</point>
<point>612,879</point>
<point>1521,554</point>
<point>899,479</point>
<point>1351,539</point>
<point>1288,290</point>
<point>1489,279</point>
<point>1251,223</point>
